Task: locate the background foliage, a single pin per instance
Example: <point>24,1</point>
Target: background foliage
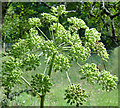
<point>105,17</point>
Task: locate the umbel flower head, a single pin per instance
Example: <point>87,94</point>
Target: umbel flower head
<point>74,94</point>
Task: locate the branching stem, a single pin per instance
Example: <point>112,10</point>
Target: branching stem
<point>61,44</point>
<point>66,47</point>
<point>46,65</point>
<point>68,77</point>
<point>78,64</point>
<point>51,65</point>
<point>42,33</point>
<point>40,53</point>
<point>50,33</point>
<point>29,84</point>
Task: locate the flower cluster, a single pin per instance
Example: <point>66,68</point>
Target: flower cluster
<point>23,46</point>
<point>92,35</point>
<point>64,47</point>
<point>58,26</point>
<point>76,24</point>
<point>104,78</point>
<point>75,38</point>
<point>34,22</point>
<point>33,32</point>
<point>41,83</point>
<point>31,61</point>
<point>48,18</point>
<point>80,52</point>
<point>61,34</point>
<point>90,72</point>
<point>34,43</point>
<point>59,10</point>
<point>11,72</point>
<point>75,95</point>
<point>108,81</point>
<point>101,50</point>
<point>18,49</point>
<point>49,48</point>
<point>61,63</point>
<point>74,42</point>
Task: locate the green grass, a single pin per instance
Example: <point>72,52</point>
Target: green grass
<point>97,97</point>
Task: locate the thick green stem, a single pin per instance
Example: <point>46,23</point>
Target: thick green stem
<point>49,73</point>
<point>51,65</point>
<point>42,101</point>
<point>42,96</point>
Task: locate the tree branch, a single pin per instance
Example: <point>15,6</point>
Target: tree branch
<point>46,5</point>
<point>104,22</point>
<point>117,14</point>
<point>5,6</point>
<point>113,29</point>
<point>107,12</point>
<point>18,93</point>
<point>91,11</point>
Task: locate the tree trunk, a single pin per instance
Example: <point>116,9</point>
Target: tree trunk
<point>4,47</point>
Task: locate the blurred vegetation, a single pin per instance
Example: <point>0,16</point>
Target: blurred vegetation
<point>104,16</point>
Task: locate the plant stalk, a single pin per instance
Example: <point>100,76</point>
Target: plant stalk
<point>42,101</point>
<point>42,33</point>
<point>49,73</point>
<point>46,65</point>
<point>51,65</point>
<point>68,78</point>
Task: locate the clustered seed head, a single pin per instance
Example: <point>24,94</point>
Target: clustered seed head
<point>11,72</point>
<point>101,51</point>
<point>76,24</point>
<point>34,22</point>
<point>108,81</point>
<point>103,78</point>
<point>31,61</point>
<point>92,36</point>
<point>61,63</point>
<point>41,83</point>
<point>59,10</point>
<point>74,94</point>
<point>48,18</point>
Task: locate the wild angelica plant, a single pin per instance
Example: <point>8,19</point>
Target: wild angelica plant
<point>62,47</point>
